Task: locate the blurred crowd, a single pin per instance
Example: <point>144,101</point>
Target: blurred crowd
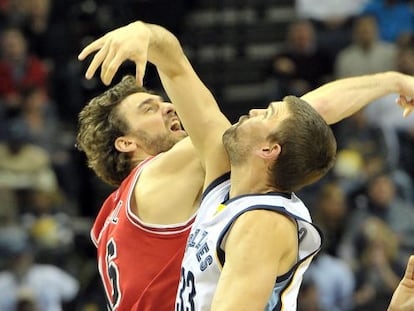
<point>48,198</point>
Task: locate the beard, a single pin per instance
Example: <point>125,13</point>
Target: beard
<point>155,144</point>
<point>236,152</point>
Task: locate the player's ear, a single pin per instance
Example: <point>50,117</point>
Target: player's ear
<point>125,144</point>
<point>270,152</point>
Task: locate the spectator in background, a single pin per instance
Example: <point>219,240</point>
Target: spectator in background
<point>44,29</point>
<point>18,69</point>
<point>379,270</point>
<point>39,119</point>
<point>380,200</point>
<point>333,278</point>
<point>334,281</point>
<point>13,13</point>
<point>357,133</point>
<point>9,210</point>
<point>26,301</point>
<point>363,151</point>
<point>46,217</point>
<point>330,212</point>
<point>332,19</point>
<point>24,165</point>
<point>48,286</point>
<point>367,53</point>
<point>302,66</point>
<point>36,27</point>
<point>308,297</point>
<point>395,19</point>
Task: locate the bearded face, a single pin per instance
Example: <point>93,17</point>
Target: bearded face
<point>235,143</point>
<point>160,142</point>
<point>152,122</point>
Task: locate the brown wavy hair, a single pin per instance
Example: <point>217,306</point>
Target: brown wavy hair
<point>99,126</point>
<point>308,147</point>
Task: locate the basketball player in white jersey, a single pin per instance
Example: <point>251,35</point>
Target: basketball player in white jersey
<point>253,238</point>
<point>205,123</point>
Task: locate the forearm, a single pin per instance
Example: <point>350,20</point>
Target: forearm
<point>165,51</point>
<point>342,98</point>
<point>194,103</point>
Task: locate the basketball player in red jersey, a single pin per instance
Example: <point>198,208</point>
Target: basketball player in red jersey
<point>141,230</point>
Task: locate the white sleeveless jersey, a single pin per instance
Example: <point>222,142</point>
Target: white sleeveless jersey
<point>204,256</point>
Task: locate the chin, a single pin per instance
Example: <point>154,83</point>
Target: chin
<point>229,138</point>
<point>180,134</point>
<point>177,137</point>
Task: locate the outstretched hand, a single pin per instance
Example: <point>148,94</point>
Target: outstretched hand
<point>406,103</point>
<point>126,43</point>
<point>403,297</point>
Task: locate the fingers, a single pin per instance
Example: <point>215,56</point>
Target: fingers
<point>96,61</point>
<point>90,48</point>
<point>110,66</point>
<point>139,73</point>
<point>104,58</point>
<point>405,103</point>
<point>129,42</point>
<point>407,112</point>
<point>140,67</point>
<point>401,101</point>
<point>409,272</point>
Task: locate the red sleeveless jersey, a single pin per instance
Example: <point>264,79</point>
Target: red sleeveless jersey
<point>139,263</point>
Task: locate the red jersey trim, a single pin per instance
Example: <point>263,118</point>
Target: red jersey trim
<point>114,196</point>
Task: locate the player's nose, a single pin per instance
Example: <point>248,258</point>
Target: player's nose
<point>168,108</point>
<point>255,112</point>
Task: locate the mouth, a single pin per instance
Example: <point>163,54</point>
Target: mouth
<point>175,126</point>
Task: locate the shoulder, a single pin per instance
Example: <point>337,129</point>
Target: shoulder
<point>265,224</point>
<point>259,233</point>
<point>183,154</point>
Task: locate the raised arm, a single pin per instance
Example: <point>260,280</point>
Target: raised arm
<point>194,103</point>
<point>342,98</point>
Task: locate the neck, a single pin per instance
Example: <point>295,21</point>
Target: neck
<point>249,180</point>
<point>139,156</point>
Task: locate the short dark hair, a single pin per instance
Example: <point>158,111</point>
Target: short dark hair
<point>100,125</point>
<point>308,147</point>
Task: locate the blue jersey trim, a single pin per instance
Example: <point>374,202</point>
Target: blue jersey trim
<point>287,195</point>
<point>215,183</point>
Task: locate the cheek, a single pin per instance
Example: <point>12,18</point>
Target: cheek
<point>252,134</point>
<point>255,128</point>
<point>154,125</point>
